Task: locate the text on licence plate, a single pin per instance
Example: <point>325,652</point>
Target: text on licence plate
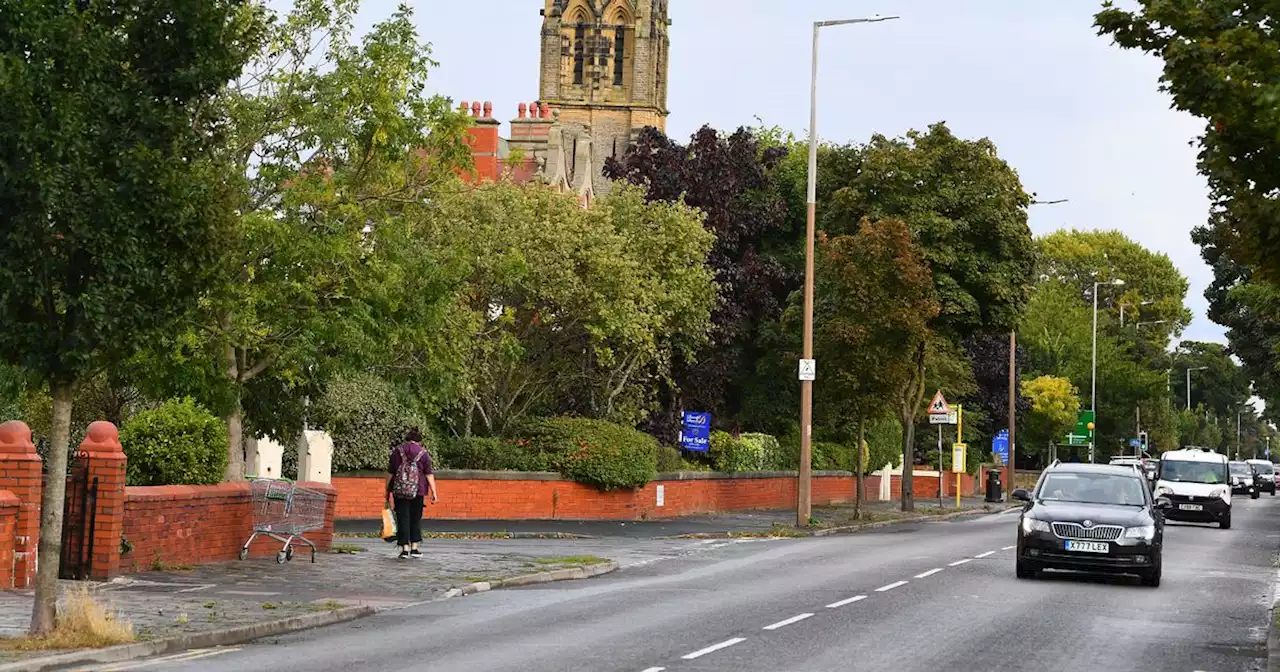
<point>1190,507</point>
<point>1088,546</point>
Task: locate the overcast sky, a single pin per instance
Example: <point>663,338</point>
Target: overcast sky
<point>1077,117</point>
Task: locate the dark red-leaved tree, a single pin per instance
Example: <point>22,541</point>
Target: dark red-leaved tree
<point>730,178</point>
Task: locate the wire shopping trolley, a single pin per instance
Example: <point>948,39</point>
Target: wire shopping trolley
<point>284,511</point>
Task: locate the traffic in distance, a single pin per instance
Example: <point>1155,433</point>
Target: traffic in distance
<point>1110,518</point>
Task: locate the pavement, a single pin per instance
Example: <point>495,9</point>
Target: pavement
<point>916,596</point>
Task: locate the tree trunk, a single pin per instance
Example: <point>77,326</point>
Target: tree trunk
<point>234,420</point>
<point>45,611</point>
<point>860,476</point>
<point>908,458</point>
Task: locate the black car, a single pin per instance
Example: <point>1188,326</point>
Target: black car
<point>1244,479</point>
<point>1091,517</point>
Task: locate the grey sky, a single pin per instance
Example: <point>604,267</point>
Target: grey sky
<point>1077,117</point>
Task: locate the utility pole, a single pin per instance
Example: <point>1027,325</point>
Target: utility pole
<point>805,472</point>
<point>1013,373</point>
<point>1137,410</point>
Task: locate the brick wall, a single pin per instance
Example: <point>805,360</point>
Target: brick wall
<point>193,524</point>
<point>20,468</point>
<point>9,504</point>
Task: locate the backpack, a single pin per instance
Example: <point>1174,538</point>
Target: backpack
<point>404,484</point>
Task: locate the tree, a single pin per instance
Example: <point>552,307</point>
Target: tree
<point>340,150</point>
<point>1220,388</point>
<point>572,311</point>
<point>1055,405</point>
<point>874,302</point>
<point>111,198</point>
<point>966,210</point>
<point>1221,60</point>
<point>988,356</point>
<point>730,179</point>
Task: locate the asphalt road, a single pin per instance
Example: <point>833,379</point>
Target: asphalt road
<point>935,596</point>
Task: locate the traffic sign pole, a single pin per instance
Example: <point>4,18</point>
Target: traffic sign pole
<point>960,440</point>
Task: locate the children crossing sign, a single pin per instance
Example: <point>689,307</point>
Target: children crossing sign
<point>939,405</point>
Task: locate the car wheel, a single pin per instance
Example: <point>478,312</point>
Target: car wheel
<point>1273,491</point>
<point>1023,571</point>
<point>1225,521</point>
<point>1152,577</point>
<point>1254,494</point>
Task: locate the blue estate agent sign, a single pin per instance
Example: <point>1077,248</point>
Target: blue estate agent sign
<point>1000,446</point>
<point>695,432</point>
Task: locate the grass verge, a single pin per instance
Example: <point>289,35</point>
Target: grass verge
<point>571,560</point>
<point>83,623</point>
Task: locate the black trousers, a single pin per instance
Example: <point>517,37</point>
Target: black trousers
<point>408,521</point>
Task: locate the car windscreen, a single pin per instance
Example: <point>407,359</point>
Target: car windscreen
<point>1241,469</point>
<point>1193,471</point>
<point>1265,468</point>
<point>1092,489</point>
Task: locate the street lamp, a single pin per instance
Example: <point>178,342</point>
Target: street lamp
<point>1093,392</point>
<point>1189,370</point>
<point>804,474</point>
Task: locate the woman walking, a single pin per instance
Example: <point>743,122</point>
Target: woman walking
<point>412,479</point>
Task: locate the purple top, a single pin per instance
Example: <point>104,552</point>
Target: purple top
<point>410,450</point>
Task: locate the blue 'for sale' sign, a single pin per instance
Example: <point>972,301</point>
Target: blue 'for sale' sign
<point>695,431</point>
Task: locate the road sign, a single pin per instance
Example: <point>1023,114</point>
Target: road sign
<point>1082,435</point>
<point>944,419</point>
<point>808,369</point>
<point>939,405</point>
<point>695,432</point>
<point>1134,443</point>
<point>957,457</point>
<point>1000,446</point>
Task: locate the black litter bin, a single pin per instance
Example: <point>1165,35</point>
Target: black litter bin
<point>993,486</point>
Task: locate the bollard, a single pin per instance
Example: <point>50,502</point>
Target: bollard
<point>993,486</point>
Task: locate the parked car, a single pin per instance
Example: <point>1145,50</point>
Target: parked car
<point>1266,474</point>
<point>1197,482</point>
<point>1244,479</point>
<point>1091,517</point>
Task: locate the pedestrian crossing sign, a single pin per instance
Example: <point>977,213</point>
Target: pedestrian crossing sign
<point>939,405</point>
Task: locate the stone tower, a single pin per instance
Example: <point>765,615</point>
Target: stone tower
<point>604,72</point>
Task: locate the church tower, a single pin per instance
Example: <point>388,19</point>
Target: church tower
<point>604,70</point>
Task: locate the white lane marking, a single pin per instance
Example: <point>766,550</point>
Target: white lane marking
<point>851,600</point>
<point>654,669</point>
<point>1008,548</point>
<point>891,586</point>
<point>983,555</point>
<point>931,572</point>
<point>183,657</point>
<point>786,622</point>
<point>714,647</point>
<point>957,563</point>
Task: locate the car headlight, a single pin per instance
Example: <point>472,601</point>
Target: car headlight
<point>1218,492</point>
<point>1030,525</point>
<point>1147,532</point>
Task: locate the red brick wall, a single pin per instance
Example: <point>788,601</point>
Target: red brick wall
<point>20,474</point>
<point>9,504</point>
<point>193,524</point>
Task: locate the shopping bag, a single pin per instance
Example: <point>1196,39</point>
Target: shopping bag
<point>388,525</point>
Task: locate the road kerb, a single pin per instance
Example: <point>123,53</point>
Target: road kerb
<point>195,640</point>
<point>887,523</point>
<point>247,633</point>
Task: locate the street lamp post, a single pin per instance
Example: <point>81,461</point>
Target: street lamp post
<point>804,475</point>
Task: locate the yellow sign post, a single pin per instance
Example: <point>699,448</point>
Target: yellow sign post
<point>958,451</point>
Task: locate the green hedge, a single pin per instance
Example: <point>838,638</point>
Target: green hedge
<point>669,460</point>
<point>489,454</point>
<point>178,443</point>
<point>730,453</point>
<point>365,416</point>
<point>594,452</point>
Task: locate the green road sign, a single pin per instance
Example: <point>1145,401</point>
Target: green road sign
<point>1082,434</point>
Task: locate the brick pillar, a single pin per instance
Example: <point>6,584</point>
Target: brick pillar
<point>9,504</point>
<point>20,474</point>
<point>101,448</point>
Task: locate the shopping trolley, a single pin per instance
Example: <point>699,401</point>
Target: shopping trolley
<point>284,511</point>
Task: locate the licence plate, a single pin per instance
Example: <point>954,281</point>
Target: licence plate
<point>1191,507</point>
<point>1088,546</point>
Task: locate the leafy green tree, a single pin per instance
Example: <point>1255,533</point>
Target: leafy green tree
<point>1220,387</point>
<point>339,148</point>
<point>1055,405</point>
<point>1221,62</point>
<point>967,212</point>
<point>111,198</point>
<point>572,310</point>
<point>875,297</point>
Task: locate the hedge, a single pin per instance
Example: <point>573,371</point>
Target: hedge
<point>730,453</point>
<point>594,452</point>
<point>178,443</point>
<point>365,417</point>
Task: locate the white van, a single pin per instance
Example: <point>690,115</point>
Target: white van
<point>1198,483</point>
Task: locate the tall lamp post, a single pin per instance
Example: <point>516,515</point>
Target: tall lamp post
<point>803,484</point>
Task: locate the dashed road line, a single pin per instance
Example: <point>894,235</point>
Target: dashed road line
<point>653,669</point>
<point>713,648</point>
<point>983,555</point>
<point>957,563</point>
<point>1008,548</point>
<point>931,572</point>
<point>891,586</point>
<point>785,622</point>
<point>194,654</point>
<point>851,600</point>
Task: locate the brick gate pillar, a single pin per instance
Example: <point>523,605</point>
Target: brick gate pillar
<point>20,467</point>
<point>106,459</point>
